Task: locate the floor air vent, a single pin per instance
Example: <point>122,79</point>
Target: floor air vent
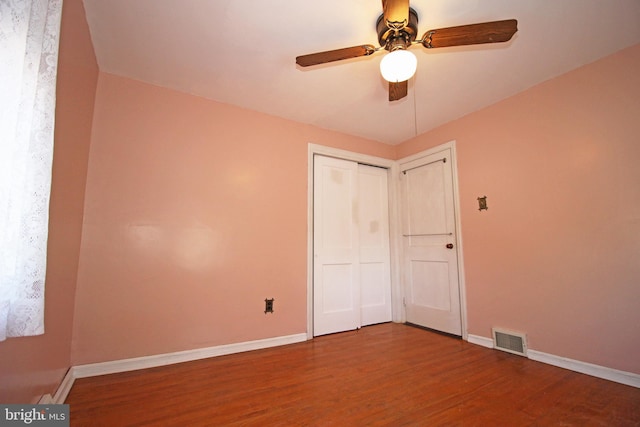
<point>512,342</point>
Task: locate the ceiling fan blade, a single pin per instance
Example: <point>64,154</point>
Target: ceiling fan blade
<point>335,55</point>
<point>486,32</point>
<point>396,13</point>
<point>398,90</point>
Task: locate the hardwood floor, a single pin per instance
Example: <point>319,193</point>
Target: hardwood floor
<point>382,375</point>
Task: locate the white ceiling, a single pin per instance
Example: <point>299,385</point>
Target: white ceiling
<point>242,52</point>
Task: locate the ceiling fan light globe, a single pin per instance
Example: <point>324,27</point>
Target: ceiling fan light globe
<point>398,66</point>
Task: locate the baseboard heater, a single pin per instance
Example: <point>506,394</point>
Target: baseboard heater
<point>509,341</point>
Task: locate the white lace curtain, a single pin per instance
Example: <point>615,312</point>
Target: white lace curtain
<point>29,39</point>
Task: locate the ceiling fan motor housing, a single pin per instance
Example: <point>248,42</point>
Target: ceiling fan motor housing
<point>391,38</point>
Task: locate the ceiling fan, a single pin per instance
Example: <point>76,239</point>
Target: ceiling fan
<point>397,29</point>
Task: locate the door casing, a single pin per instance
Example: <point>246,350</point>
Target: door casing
<point>397,291</point>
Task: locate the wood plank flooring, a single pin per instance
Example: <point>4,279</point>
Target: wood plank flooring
<point>382,375</point>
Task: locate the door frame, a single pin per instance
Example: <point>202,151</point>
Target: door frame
<point>451,145</point>
<point>397,311</point>
<point>393,166</point>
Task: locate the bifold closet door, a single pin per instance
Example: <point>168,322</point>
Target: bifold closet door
<point>351,246</point>
<point>375,256</point>
<point>336,273</point>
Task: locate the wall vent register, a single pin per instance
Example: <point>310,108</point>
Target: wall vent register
<point>509,341</point>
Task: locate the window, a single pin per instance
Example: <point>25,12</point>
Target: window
<point>29,39</point>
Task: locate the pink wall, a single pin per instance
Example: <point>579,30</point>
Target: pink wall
<point>32,366</point>
<point>557,255</point>
<point>195,213</point>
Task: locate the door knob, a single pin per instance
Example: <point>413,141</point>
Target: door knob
<point>449,245</point>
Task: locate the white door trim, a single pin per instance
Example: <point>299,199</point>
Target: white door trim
<point>456,207</point>
<point>392,166</point>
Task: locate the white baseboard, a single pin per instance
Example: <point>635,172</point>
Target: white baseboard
<point>622,377</point>
<point>628,378</point>
<point>124,365</point>
<point>64,388</point>
<point>46,399</point>
<point>478,340</point>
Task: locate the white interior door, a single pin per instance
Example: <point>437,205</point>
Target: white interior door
<point>351,266</point>
<point>430,265</point>
<point>375,256</point>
